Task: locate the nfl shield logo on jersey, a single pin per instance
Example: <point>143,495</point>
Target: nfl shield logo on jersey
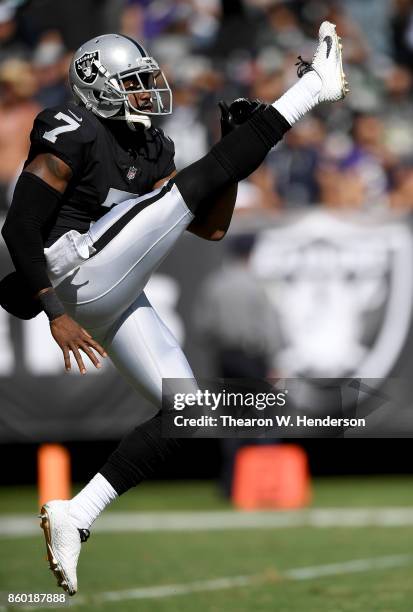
<point>85,67</point>
<point>131,173</point>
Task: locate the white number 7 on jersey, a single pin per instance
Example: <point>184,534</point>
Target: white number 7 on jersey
<point>70,126</point>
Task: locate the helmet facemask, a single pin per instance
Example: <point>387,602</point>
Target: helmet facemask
<point>147,78</point>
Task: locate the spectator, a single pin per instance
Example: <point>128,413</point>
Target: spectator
<point>398,112</point>
<point>401,195</point>
<point>402,32</point>
<point>49,63</point>
<point>340,188</point>
<point>368,160</point>
<point>11,45</point>
<point>281,28</point>
<point>234,317</point>
<point>185,125</point>
<point>293,164</point>
<point>17,112</point>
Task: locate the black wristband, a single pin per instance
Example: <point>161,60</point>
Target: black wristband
<point>51,304</point>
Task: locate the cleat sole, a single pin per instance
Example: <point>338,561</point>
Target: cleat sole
<point>54,565</point>
<point>344,85</point>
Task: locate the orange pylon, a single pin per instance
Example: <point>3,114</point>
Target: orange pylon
<point>271,476</point>
<point>53,469</point>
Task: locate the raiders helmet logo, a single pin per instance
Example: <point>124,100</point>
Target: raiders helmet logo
<point>85,67</point>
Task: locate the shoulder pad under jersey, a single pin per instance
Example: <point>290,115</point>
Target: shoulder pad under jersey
<point>66,131</point>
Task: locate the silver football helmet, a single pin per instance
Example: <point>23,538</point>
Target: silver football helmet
<point>108,70</point>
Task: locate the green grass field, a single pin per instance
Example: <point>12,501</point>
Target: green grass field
<point>116,562</point>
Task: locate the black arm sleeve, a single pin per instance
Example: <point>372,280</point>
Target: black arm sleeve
<point>34,202</point>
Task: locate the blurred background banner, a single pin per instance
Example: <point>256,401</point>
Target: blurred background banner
<point>342,288</point>
<point>339,291</point>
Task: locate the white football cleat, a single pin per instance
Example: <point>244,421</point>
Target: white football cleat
<point>63,541</point>
<point>328,64</point>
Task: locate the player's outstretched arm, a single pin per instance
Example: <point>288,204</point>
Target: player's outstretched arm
<point>212,221</point>
<point>36,199</point>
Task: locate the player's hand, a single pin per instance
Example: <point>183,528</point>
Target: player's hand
<point>71,337</point>
<point>239,111</point>
<point>225,119</point>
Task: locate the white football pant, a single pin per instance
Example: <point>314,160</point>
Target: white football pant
<point>105,293</point>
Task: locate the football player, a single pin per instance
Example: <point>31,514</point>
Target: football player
<point>90,279</point>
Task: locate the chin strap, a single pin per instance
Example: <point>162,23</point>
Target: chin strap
<point>132,119</point>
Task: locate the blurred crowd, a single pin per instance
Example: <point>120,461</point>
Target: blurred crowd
<point>358,154</point>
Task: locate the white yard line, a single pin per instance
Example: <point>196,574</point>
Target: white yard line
<point>218,584</point>
<point>22,525</point>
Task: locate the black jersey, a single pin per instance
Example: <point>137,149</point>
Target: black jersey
<point>110,163</point>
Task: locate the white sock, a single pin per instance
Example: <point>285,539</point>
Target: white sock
<point>86,506</point>
<point>300,98</point>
